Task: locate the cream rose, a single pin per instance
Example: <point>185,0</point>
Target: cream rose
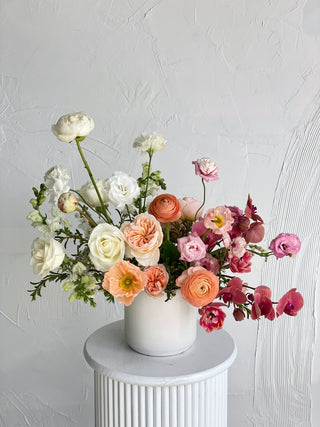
<point>122,189</point>
<point>106,245</point>
<point>46,255</point>
<point>88,192</point>
<point>69,126</point>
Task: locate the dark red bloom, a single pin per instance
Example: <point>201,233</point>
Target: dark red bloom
<point>212,317</point>
<point>241,265</point>
<point>233,292</point>
<point>251,211</point>
<point>290,303</point>
<point>240,222</point>
<point>262,305</point>
<point>238,314</point>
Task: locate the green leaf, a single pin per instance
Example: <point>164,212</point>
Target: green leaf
<point>169,252</point>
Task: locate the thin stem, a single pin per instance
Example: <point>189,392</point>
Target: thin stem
<point>91,222</point>
<point>93,181</point>
<point>128,212</point>
<point>147,184</point>
<point>204,199</point>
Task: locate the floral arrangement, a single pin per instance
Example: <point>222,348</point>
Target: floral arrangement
<point>158,245</point>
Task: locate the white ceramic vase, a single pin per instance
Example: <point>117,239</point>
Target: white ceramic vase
<point>158,328</point>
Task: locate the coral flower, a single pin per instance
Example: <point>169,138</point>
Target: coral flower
<point>262,305</point>
<point>219,220</point>
<point>290,303</point>
<point>199,286</point>
<point>157,280</point>
<point>143,238</point>
<point>212,317</point>
<point>166,208</point>
<point>124,281</point>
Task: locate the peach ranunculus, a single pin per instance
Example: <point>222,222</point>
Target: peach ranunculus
<point>190,207</point>
<point>199,286</point>
<point>157,280</point>
<point>166,208</point>
<point>143,238</point>
<point>124,281</point>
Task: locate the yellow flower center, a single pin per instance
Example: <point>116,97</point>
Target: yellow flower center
<point>126,282</point>
<point>218,220</point>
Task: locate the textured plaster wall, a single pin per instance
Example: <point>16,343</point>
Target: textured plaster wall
<point>235,80</point>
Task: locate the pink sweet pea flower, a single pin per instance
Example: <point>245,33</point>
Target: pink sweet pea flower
<point>262,305</point>
<point>191,248</point>
<point>290,303</point>
<point>208,262</point>
<point>212,317</point>
<point>189,208</point>
<point>241,265</point>
<point>285,244</point>
<point>206,169</point>
<point>233,292</point>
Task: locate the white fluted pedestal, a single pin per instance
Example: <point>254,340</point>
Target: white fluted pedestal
<point>133,390</point>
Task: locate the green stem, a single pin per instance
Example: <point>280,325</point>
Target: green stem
<point>93,181</point>
<point>204,199</point>
<point>128,212</point>
<point>147,184</point>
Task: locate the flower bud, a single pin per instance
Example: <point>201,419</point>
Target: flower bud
<point>238,314</point>
<point>67,202</point>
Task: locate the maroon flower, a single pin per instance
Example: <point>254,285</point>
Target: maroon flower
<point>251,211</point>
<point>233,292</point>
<point>212,317</point>
<point>290,303</point>
<point>262,305</point>
<point>255,233</point>
<point>241,265</point>
<point>238,314</point>
<point>241,222</point>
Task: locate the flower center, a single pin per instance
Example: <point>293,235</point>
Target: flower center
<point>218,220</point>
<point>126,282</point>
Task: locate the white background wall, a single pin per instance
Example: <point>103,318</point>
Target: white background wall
<point>234,80</point>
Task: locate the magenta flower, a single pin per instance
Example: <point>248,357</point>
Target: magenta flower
<point>262,304</point>
<point>241,265</point>
<point>212,317</point>
<point>241,222</point>
<point>206,169</point>
<point>285,244</point>
<point>191,248</point>
<point>219,220</point>
<point>208,262</point>
<point>233,292</point>
<point>290,303</point>
<point>211,238</point>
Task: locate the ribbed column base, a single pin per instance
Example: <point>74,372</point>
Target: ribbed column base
<point>198,404</point>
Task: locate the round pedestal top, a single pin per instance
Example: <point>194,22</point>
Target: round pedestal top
<point>107,352</point>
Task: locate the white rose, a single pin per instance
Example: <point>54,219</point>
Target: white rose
<point>56,180</point>
<point>46,255</point>
<point>122,189</point>
<point>106,245</point>
<point>88,192</point>
<point>150,142</point>
<point>69,126</point>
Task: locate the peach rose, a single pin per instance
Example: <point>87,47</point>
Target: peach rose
<point>124,281</point>
<point>189,208</point>
<point>166,208</point>
<point>157,280</point>
<point>199,286</point>
<point>143,238</point>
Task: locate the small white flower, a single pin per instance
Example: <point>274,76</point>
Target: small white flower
<point>122,189</point>
<point>35,218</point>
<point>151,142</point>
<point>67,286</point>
<point>88,192</point>
<point>78,268</point>
<point>56,180</point>
<point>46,255</point>
<point>69,126</point>
<point>106,245</point>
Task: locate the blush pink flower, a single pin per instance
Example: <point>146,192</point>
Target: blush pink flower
<point>143,238</point>
<point>212,317</point>
<point>237,247</point>
<point>285,244</point>
<point>290,303</point>
<point>241,265</point>
<point>189,208</point>
<point>219,220</point>
<point>233,292</point>
<point>206,169</point>
<point>191,248</point>
<point>209,263</point>
<point>124,281</point>
<point>157,280</point>
<point>262,304</point>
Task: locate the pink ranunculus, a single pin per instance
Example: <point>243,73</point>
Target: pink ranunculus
<point>191,248</point>
<point>255,233</point>
<point>290,303</point>
<point>237,247</point>
<point>206,169</point>
<point>241,265</point>
<point>262,304</point>
<point>219,220</point>
<point>285,244</point>
<point>208,262</point>
<point>157,280</point>
<point>189,208</point>
<point>212,317</point>
<point>211,238</point>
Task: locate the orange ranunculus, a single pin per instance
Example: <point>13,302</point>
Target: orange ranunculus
<point>166,208</point>
<point>199,286</point>
<point>157,280</point>
<point>124,281</point>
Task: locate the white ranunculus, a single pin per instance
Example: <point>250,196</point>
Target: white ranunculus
<point>69,126</point>
<point>88,192</point>
<point>46,255</point>
<point>106,245</point>
<point>150,142</point>
<point>56,180</point>
<point>122,189</point>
